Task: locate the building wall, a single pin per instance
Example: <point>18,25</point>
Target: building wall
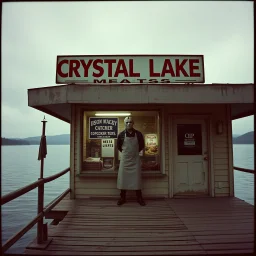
<point>220,144</point>
<point>158,185</point>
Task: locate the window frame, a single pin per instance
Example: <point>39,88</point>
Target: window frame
<point>162,142</point>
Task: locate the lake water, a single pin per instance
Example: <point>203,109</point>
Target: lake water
<point>20,167</point>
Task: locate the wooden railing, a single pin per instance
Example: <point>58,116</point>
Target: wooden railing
<point>39,218</point>
<point>41,236</point>
<point>244,170</point>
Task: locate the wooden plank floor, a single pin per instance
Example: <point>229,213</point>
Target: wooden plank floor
<point>163,227</point>
<point>220,225</point>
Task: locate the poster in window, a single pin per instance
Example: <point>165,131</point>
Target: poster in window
<point>189,138</point>
<point>107,148</point>
<point>103,127</point>
<point>151,145</point>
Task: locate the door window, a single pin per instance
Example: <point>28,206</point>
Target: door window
<point>189,138</point>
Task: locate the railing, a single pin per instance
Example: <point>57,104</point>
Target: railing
<point>39,218</point>
<point>41,235</point>
<point>244,170</point>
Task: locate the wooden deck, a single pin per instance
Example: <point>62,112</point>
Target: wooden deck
<point>163,227</point>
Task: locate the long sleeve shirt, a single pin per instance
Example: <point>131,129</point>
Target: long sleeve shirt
<point>121,136</point>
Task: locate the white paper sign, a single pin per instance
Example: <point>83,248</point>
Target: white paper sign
<point>107,148</point>
<point>190,143</point>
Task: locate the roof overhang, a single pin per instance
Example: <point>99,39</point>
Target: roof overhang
<point>57,100</point>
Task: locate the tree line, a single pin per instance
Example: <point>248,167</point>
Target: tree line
<point>7,142</point>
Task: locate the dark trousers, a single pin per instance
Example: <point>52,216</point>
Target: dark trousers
<point>138,193</point>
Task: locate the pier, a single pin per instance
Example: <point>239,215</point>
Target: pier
<point>176,226</point>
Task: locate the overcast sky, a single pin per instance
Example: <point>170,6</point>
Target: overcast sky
<point>33,34</point>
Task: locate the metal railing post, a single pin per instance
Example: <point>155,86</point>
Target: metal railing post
<point>40,209</point>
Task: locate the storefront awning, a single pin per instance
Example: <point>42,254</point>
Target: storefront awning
<point>57,100</point>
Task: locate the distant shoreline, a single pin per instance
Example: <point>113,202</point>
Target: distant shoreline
<point>35,145</point>
<point>69,144</point>
<point>64,139</point>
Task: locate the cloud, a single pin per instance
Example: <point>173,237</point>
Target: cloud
<point>28,124</point>
<point>243,125</point>
<point>33,34</point>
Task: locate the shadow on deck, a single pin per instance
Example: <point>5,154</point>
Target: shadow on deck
<point>164,227</point>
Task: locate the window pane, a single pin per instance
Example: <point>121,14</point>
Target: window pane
<point>189,139</point>
<point>100,151</point>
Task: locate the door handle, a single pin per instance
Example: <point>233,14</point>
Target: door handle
<point>205,158</point>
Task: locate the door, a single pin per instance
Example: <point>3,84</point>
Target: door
<point>190,156</point>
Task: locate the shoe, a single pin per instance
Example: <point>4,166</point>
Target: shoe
<point>121,201</point>
<point>141,201</point>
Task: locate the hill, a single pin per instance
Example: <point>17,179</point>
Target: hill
<point>9,142</point>
<point>63,139</point>
<point>247,138</point>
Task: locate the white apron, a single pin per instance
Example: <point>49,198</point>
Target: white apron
<point>129,173</point>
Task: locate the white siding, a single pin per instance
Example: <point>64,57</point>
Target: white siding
<point>221,146</point>
<point>86,187</point>
<point>221,154</point>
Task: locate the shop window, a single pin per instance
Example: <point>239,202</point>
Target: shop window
<point>100,153</point>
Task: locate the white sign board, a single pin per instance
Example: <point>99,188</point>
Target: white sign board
<point>107,148</point>
<point>103,127</point>
<point>130,69</point>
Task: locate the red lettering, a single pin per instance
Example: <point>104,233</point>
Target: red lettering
<point>121,68</point>
<point>86,67</point>
<point>112,81</point>
<point>59,66</point>
<point>167,68</point>
<point>192,68</point>
<point>180,67</point>
<point>131,71</point>
<point>98,68</point>
<point>110,63</point>
<point>74,65</point>
<point>151,69</point>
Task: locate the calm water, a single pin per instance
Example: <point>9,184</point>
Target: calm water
<point>20,167</point>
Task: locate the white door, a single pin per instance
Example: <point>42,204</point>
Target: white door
<point>190,156</point>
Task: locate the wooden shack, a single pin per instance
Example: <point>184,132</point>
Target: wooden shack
<point>187,124</point>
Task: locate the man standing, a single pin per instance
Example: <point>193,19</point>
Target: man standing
<point>130,142</point>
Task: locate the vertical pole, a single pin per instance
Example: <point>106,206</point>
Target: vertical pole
<point>45,233</point>
<point>41,196</point>
<point>42,159</point>
<point>39,210</point>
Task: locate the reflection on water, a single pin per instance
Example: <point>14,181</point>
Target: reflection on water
<point>244,182</point>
